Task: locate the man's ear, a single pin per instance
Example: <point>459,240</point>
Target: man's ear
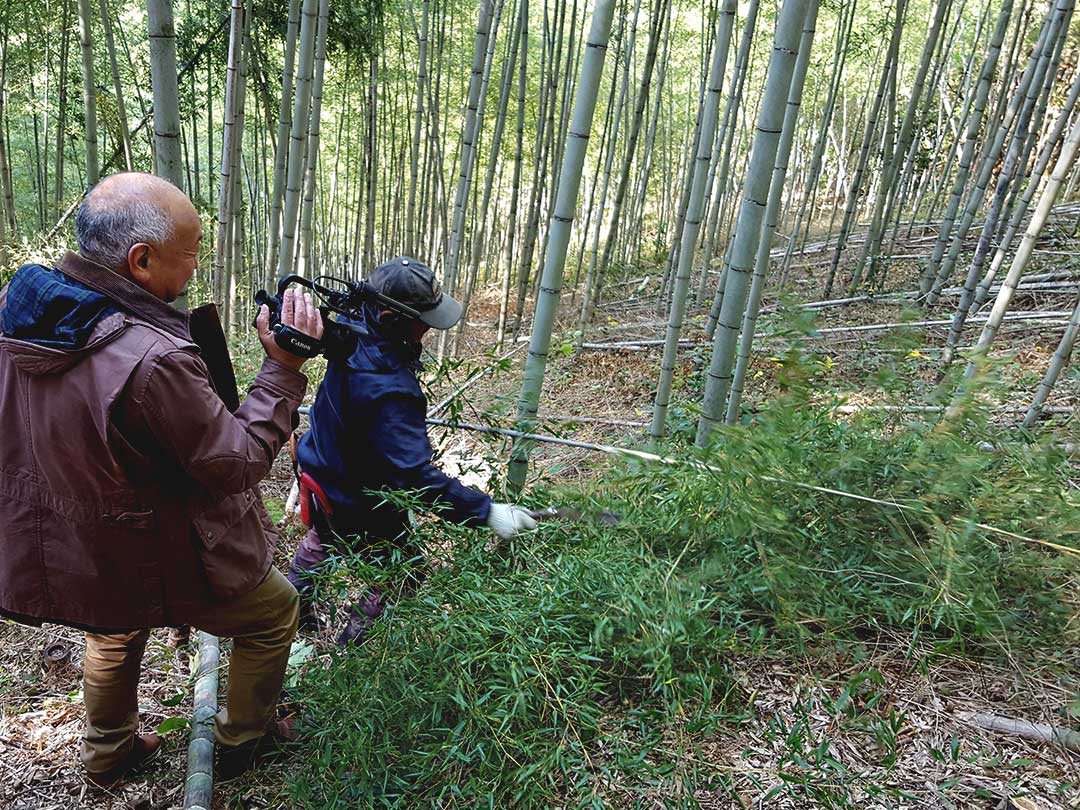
<point>139,261</point>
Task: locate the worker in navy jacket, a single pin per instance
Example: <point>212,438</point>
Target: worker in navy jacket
<point>368,435</point>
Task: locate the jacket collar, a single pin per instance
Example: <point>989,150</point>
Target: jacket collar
<point>127,295</point>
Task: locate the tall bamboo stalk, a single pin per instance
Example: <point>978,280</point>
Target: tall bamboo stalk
<point>772,213</point>
<point>479,244</point>
<point>411,219</point>
<point>1034,182</point>
<point>748,227</point>
<point>468,144</point>
<point>86,46</point>
<point>166,91</point>
<point>515,183</point>
<point>223,245</point>
<point>710,105</point>
<point>8,214</point>
<point>934,282</point>
<point>307,209</point>
<point>118,90</point>
<point>281,150</point>
<point>852,197</point>
<point>809,197</point>
<point>62,110</point>
<point>298,136</point>
<point>891,169</point>
<point>1016,157</point>
<point>656,29</point>
<point>1020,261</point>
<point>547,305</point>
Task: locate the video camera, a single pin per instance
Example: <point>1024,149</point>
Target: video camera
<point>343,297</point>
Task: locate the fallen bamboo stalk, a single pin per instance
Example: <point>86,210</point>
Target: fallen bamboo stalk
<point>690,462</point>
<point>1034,283</point>
<point>875,327</point>
<point>1036,732</point>
<point>1052,318</point>
<point>639,345</point>
<point>864,337</point>
<point>595,420</point>
<point>850,409</point>
<point>199,785</point>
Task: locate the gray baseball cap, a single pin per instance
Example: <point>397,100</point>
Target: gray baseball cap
<point>413,283</point>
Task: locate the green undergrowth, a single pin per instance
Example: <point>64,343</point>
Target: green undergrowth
<point>556,670</point>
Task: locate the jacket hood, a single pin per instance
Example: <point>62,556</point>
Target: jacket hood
<point>47,308</point>
<point>36,359</point>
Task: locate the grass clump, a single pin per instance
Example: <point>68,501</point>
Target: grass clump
<point>499,681</point>
<point>556,671</point>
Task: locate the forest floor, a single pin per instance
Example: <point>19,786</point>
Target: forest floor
<point>909,744</point>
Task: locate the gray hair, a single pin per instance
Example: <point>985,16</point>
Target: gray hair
<point>107,230</point>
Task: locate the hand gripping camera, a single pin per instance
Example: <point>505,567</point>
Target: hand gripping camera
<point>335,295</point>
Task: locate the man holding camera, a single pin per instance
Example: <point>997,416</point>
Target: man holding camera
<point>127,486</point>
<point>368,435</point>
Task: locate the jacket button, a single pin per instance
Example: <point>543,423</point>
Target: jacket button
<point>209,535</point>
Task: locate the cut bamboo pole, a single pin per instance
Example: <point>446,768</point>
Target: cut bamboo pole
<point>1053,371</point>
<point>1036,732</point>
<point>199,785</point>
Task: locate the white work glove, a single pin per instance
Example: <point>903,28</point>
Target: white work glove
<point>506,520</point>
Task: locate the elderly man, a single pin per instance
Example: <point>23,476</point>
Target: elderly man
<point>126,485</point>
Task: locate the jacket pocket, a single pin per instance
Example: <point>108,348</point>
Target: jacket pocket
<point>130,520</point>
<point>232,544</point>
<point>103,573</point>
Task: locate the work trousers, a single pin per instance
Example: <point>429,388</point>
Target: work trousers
<point>262,624</point>
<point>369,533</point>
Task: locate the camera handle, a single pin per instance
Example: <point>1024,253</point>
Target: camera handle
<point>347,301</point>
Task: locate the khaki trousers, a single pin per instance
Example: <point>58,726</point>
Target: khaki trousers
<point>262,624</point>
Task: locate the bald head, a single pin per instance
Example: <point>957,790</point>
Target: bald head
<point>118,189</point>
<point>131,218</point>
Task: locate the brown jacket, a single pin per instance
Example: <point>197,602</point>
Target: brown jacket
<point>127,489</point>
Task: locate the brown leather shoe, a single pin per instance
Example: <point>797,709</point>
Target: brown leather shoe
<point>144,749</point>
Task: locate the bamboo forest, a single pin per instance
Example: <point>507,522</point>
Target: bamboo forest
<point>539,404</point>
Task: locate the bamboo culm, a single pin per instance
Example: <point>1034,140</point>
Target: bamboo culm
<point>1023,253</point>
<point>281,150</point>
<point>748,226</point>
<point>772,213</point>
<point>298,135</point>
<point>89,92</point>
<point>699,168</point>
<point>559,233</point>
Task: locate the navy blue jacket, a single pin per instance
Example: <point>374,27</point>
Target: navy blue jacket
<point>368,433</point>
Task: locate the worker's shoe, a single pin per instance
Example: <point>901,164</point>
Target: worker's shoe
<point>309,621</point>
<point>144,748</point>
<point>233,761</point>
<point>362,618</point>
